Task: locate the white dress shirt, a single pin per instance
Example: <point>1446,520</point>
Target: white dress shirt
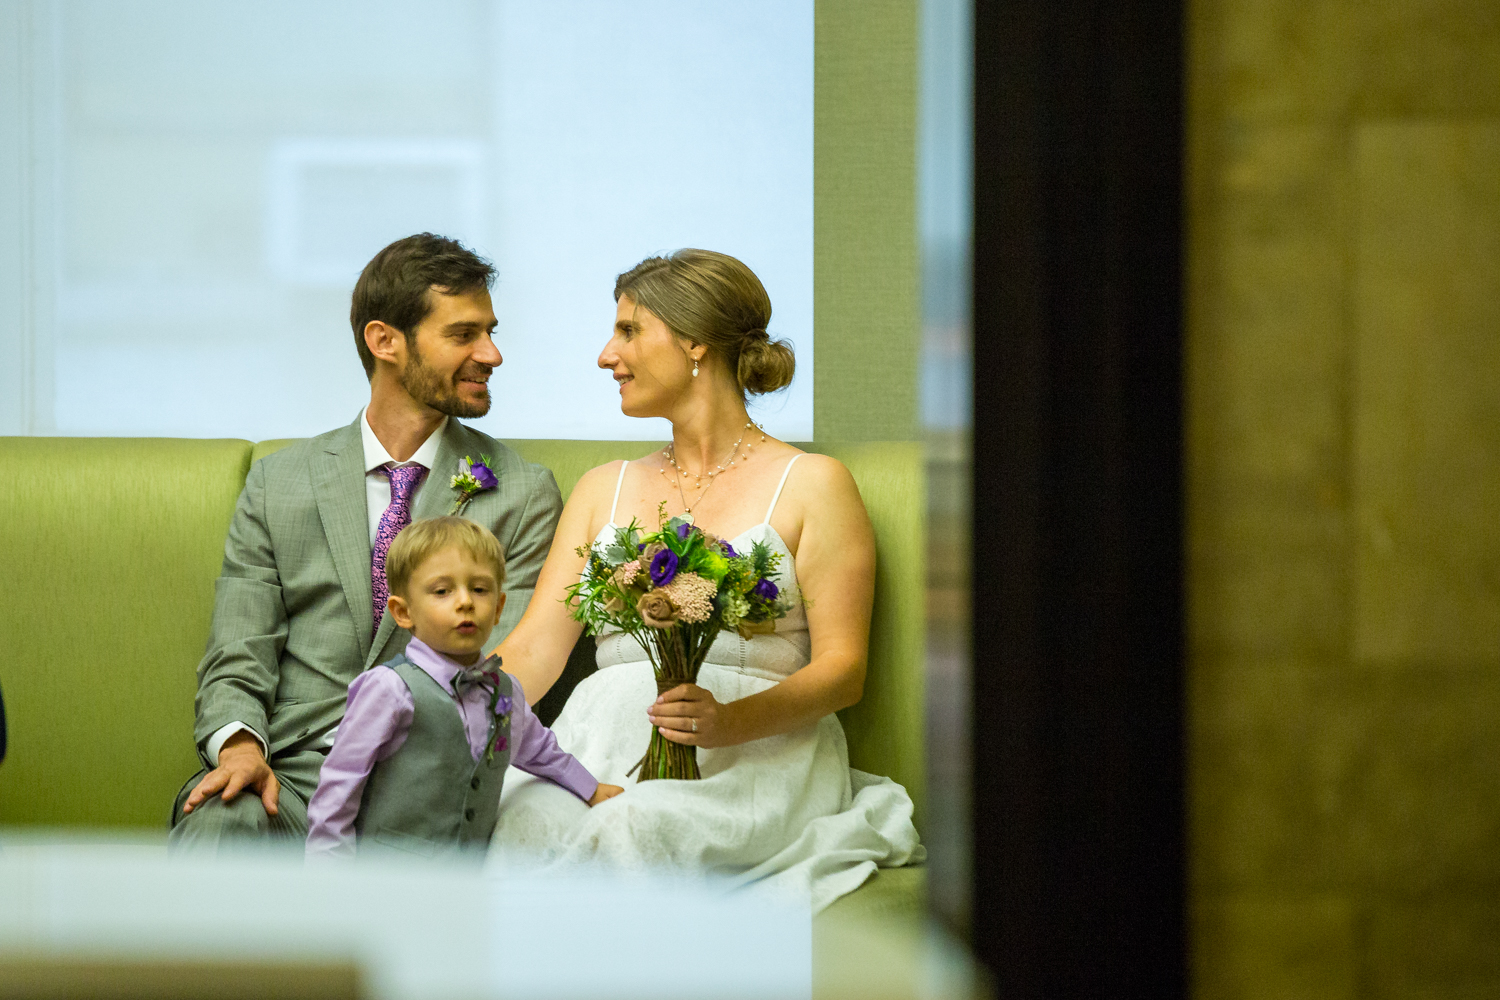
<point>377,499</point>
<point>378,484</point>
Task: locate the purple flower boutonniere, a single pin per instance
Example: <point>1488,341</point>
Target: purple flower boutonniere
<point>500,704</point>
<point>473,478</point>
<point>501,740</point>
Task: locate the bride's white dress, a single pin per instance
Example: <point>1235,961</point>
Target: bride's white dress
<point>786,812</point>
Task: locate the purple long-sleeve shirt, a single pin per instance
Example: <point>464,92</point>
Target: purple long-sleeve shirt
<point>376,720</point>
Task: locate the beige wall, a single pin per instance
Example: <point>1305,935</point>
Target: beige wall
<point>1344,497</point>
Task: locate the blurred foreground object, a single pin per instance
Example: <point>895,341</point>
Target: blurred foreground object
<point>28,977</point>
<point>92,918</point>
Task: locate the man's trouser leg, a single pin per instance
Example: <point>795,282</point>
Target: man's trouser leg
<point>216,823</point>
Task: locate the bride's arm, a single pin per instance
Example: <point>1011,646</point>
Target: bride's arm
<point>836,571</point>
<point>537,649</point>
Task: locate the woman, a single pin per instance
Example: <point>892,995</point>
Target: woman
<point>777,800</point>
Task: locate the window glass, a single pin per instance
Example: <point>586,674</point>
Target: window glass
<point>210,178</point>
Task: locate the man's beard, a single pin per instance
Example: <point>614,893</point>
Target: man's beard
<point>430,388</point>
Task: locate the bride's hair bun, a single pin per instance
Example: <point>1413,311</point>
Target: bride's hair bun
<point>715,300</point>
<point>765,365</point>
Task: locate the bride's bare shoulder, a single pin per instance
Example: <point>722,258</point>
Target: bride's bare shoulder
<point>820,501</point>
<point>821,483</point>
<point>601,479</point>
<point>818,472</point>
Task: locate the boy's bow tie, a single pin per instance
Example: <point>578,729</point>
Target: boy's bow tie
<point>485,674</point>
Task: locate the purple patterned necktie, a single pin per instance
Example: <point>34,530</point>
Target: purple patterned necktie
<point>404,480</point>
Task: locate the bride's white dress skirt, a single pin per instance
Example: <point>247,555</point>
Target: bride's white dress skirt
<point>785,812</point>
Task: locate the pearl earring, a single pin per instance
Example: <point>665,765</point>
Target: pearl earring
<point>695,368</point>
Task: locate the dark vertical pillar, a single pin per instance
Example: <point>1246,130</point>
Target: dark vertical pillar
<point>1079,867</point>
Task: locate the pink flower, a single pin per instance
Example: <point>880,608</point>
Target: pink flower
<point>625,573</point>
<point>693,595</point>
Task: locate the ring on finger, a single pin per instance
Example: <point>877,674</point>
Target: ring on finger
<point>695,725</point>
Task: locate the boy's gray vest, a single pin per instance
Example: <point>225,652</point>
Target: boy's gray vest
<point>431,797</point>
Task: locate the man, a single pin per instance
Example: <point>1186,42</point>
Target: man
<point>299,605</point>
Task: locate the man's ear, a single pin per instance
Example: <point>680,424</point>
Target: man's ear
<point>387,343</point>
<point>395,606</point>
<point>499,607</point>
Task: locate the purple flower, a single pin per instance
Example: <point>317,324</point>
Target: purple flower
<point>683,530</point>
<point>473,478</point>
<point>765,590</point>
<point>487,480</point>
<point>502,705</point>
<point>729,549</point>
<point>663,568</point>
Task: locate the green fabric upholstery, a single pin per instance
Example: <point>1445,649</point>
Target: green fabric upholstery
<point>569,460</point>
<point>890,892</point>
<point>886,729</point>
<point>110,548</point>
<point>114,544</point>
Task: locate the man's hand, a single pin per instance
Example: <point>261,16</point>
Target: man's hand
<point>242,765</point>
<point>600,794</point>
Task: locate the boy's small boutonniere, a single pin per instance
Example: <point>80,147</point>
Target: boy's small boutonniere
<point>500,706</point>
<point>473,478</point>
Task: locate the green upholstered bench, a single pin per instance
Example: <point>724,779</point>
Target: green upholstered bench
<point>111,547</point>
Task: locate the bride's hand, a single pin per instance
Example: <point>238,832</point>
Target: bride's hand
<point>692,715</point>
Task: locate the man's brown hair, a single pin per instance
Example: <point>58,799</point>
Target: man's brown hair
<point>393,287</point>
<point>420,540</point>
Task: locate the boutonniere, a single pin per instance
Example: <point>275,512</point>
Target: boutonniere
<point>500,705</point>
<point>473,479</point>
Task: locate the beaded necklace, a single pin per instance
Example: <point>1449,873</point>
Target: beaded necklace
<point>679,473</point>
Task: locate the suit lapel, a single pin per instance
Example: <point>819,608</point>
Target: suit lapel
<point>339,484</point>
<point>382,636</point>
<point>434,499</point>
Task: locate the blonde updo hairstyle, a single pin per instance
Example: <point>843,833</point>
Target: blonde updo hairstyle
<point>714,300</point>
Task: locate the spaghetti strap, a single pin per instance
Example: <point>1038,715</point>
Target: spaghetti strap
<point>772,509</point>
<point>624,464</point>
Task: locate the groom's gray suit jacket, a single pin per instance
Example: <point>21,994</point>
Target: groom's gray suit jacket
<point>292,622</point>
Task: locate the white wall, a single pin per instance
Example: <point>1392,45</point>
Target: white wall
<point>198,185</point>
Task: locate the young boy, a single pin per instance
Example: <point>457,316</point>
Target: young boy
<point>418,761</point>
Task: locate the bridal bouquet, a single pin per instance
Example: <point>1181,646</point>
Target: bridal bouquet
<point>674,591</point>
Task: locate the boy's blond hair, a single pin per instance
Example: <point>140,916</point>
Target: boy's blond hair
<point>420,540</point>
